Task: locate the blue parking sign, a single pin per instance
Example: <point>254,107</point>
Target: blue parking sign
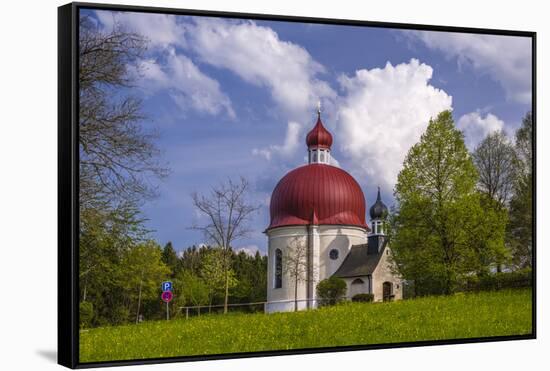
<point>167,286</point>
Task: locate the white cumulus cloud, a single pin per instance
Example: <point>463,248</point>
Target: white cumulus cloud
<point>291,143</point>
<point>188,86</point>
<point>161,30</point>
<point>254,53</point>
<point>476,127</point>
<point>383,112</point>
<point>257,55</point>
<point>507,59</point>
<point>260,57</point>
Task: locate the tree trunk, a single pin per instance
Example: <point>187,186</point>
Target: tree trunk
<point>85,292</point>
<point>296,295</point>
<point>226,290</point>
<point>139,300</point>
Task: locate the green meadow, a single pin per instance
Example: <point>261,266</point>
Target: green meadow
<point>459,316</point>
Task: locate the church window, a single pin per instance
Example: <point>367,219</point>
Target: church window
<point>333,254</point>
<point>357,281</point>
<point>322,159</point>
<point>314,156</point>
<point>278,269</point>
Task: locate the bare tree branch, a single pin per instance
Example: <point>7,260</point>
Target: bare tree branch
<point>497,164</point>
<point>227,212</point>
<point>118,158</point>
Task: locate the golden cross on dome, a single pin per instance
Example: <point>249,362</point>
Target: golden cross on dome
<point>319,107</point>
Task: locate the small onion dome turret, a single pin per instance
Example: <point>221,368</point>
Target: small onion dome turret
<point>319,137</point>
<point>378,210</point>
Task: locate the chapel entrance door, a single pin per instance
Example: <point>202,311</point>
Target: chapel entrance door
<point>387,291</point>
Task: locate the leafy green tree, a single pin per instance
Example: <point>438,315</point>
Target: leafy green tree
<point>142,273</point>
<point>487,234</point>
<point>105,235</point>
<point>214,274</point>
<point>86,314</point>
<point>437,210</point>
<point>193,290</point>
<point>331,290</point>
<point>520,230</point>
<point>524,144</point>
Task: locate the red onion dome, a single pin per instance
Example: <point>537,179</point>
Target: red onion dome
<point>319,137</point>
<point>317,194</point>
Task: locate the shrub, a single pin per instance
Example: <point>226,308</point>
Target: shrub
<point>363,298</point>
<point>497,281</point>
<point>86,314</point>
<point>331,290</point>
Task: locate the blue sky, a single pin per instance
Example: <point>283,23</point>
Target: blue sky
<point>237,97</point>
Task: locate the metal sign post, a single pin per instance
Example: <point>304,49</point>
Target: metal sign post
<point>167,296</point>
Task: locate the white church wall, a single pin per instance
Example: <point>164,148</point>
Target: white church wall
<point>280,238</point>
<point>323,239</point>
<point>339,238</point>
<point>354,288</point>
<point>315,248</point>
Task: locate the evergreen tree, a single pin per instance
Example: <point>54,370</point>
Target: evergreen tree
<point>170,258</point>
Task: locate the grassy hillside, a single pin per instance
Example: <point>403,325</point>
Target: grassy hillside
<point>432,318</point>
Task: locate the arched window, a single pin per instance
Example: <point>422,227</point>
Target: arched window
<point>278,269</point>
<point>357,281</point>
<point>322,159</point>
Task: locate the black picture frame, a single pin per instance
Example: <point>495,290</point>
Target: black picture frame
<point>68,178</point>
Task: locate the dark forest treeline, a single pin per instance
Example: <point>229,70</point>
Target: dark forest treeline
<point>127,288</point>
